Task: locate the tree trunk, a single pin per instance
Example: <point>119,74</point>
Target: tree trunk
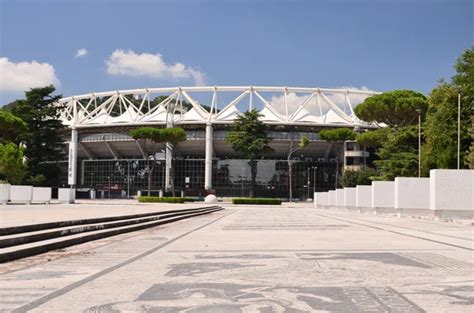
<point>253,171</point>
<point>151,166</point>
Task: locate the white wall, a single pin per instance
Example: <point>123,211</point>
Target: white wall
<point>332,197</point>
<point>363,196</point>
<point>339,197</point>
<point>452,189</point>
<point>350,196</point>
<point>383,194</point>
<point>412,193</point>
<point>21,194</point>
<point>41,194</point>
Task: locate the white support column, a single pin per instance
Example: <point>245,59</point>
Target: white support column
<point>208,162</point>
<point>72,161</point>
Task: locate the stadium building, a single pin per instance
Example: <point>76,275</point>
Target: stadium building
<point>103,156</point>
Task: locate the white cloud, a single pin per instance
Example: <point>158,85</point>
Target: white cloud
<point>129,63</point>
<point>25,75</point>
<point>81,53</point>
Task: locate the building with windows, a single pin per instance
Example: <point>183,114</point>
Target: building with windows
<point>104,157</point>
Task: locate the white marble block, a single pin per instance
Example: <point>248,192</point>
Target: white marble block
<point>383,194</point>
<point>339,197</point>
<point>332,197</point>
<point>412,193</point>
<point>21,194</point>
<point>363,196</point>
<point>42,194</point>
<point>452,189</point>
<point>350,197</point>
<point>66,195</point>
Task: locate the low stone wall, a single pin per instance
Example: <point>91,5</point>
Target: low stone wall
<point>412,193</point>
<point>339,198</point>
<point>41,195</point>
<point>21,194</point>
<point>363,196</point>
<point>383,194</point>
<point>66,195</point>
<point>350,197</point>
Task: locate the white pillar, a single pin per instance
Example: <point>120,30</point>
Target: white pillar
<point>72,160</point>
<point>208,161</point>
<point>169,161</point>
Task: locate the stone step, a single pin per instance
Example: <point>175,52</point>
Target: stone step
<point>33,248</point>
<point>33,236</point>
<point>36,227</point>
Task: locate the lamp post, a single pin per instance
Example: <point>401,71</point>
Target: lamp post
<point>419,141</point>
<point>309,179</point>
<point>459,127</point>
<point>314,178</point>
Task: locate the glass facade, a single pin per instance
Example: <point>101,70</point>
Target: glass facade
<point>230,177</point>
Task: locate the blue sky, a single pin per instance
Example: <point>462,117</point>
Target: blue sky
<point>380,45</point>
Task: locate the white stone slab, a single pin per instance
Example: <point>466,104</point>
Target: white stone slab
<point>42,194</point>
<point>339,197</point>
<point>4,193</point>
<point>412,193</point>
<point>320,199</point>
<point>66,195</point>
<point>21,194</point>
<point>332,197</point>
<point>363,196</point>
<point>383,194</point>
<point>452,189</point>
<point>350,197</point>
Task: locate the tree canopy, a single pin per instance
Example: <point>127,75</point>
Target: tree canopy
<point>373,138</point>
<point>394,108</point>
<point>12,128</point>
<point>363,176</point>
<point>337,134</point>
<point>43,140</point>
<point>440,150</point>
<point>250,137</point>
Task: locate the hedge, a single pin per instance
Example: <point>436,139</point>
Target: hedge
<point>256,201</point>
<point>161,199</point>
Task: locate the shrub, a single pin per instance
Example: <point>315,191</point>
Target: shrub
<point>256,201</point>
<point>364,176</point>
<point>188,199</point>
<point>161,199</point>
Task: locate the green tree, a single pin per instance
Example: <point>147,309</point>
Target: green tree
<point>399,154</point>
<point>373,138</point>
<point>250,138</point>
<point>337,134</point>
<point>151,138</point>
<point>364,176</point>
<point>12,167</point>
<point>441,123</point>
<point>43,141</point>
<point>394,108</point>
<point>12,128</point>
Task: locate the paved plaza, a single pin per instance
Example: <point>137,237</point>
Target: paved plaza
<point>292,258</point>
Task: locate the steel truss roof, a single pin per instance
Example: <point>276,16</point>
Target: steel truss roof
<point>286,106</point>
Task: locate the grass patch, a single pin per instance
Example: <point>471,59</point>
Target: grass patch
<point>269,201</point>
<point>161,199</point>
